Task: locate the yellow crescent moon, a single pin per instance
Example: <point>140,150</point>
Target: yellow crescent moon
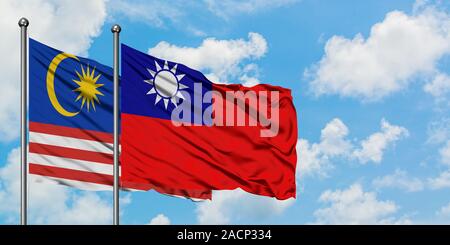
<point>51,83</point>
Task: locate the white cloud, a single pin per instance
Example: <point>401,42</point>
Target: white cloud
<point>249,75</point>
<point>310,160</point>
<point>87,208</point>
<point>441,181</point>
<point>332,138</point>
<point>236,206</point>
<point>314,159</point>
<point>354,206</point>
<point>160,219</point>
<point>439,131</point>
<point>66,25</point>
<point>399,179</point>
<point>444,211</point>
<point>373,147</point>
<point>397,49</point>
<point>49,203</point>
<point>439,86</point>
<point>221,67</point>
<point>228,8</point>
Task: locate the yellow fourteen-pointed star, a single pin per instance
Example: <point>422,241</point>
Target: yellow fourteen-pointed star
<point>88,87</point>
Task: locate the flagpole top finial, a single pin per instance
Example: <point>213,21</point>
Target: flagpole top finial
<point>23,22</point>
<point>116,28</point>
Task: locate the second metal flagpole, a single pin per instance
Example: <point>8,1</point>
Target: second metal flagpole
<point>116,30</point>
<point>23,23</point>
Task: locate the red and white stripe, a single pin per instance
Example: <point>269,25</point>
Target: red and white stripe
<point>74,157</point>
<point>71,156</point>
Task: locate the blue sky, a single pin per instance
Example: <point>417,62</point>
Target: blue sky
<point>370,82</point>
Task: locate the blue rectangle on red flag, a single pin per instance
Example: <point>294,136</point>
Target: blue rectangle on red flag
<point>165,83</point>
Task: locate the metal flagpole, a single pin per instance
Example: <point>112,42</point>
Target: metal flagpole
<point>23,23</point>
<point>116,30</point>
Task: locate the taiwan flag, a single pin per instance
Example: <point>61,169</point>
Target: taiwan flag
<point>179,131</point>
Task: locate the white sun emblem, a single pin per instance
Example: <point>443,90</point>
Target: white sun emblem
<point>166,84</point>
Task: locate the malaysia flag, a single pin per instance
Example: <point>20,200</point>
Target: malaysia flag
<point>182,132</point>
<point>71,119</point>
